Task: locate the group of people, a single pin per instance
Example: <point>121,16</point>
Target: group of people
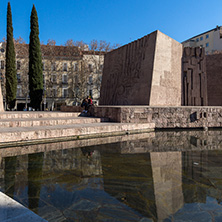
<point>86,103</point>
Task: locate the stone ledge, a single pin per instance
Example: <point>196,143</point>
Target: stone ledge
<point>71,108</point>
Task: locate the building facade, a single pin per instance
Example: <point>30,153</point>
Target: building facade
<point>69,75</point>
<point>210,40</point>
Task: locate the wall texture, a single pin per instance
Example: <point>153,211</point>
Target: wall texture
<point>144,72</point>
<point>194,77</point>
<point>214,79</point>
<point>164,117</point>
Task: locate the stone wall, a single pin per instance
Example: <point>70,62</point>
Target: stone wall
<point>214,79</point>
<point>164,117</point>
<point>71,109</point>
<point>194,77</point>
<point>144,72</point>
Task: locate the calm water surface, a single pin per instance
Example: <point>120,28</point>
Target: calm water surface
<point>163,176</point>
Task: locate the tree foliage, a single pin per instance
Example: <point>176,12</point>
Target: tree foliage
<point>35,63</point>
<point>94,45</point>
<point>11,79</point>
<point>19,40</point>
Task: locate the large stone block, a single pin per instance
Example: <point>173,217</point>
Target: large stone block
<point>214,79</point>
<point>1,100</point>
<point>144,72</point>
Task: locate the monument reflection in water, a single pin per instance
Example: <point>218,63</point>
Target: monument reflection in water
<point>166,176</point>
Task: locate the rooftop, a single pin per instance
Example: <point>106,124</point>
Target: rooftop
<point>215,29</point>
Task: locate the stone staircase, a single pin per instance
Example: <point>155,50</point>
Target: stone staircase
<point>20,128</point>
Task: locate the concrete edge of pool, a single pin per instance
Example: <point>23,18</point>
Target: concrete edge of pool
<point>11,210</point>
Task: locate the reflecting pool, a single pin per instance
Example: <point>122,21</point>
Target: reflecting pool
<point>161,176</point>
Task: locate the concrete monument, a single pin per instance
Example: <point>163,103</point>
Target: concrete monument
<point>144,72</point>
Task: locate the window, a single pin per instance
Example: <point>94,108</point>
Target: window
<point>54,91</point>
<point>90,80</point>
<point>53,66</point>
<point>64,78</point>
<point>197,40</point>
<point>207,36</point>
<point>90,67</point>
<point>19,91</point>
<point>201,45</point>
<point>53,78</point>
<point>201,38</point>
<point>43,78</point>
<point>76,67</point>
<point>65,92</point>
<point>1,77</point>
<point>101,67</point>
<point>18,65</point>
<point>43,66</point>
<point>65,67</point>
<point>18,77</point>
<point>2,64</point>
<point>207,44</point>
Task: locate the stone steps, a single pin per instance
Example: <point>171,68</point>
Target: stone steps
<point>36,115</point>
<point>26,122</point>
<point>34,127</point>
<point>24,134</point>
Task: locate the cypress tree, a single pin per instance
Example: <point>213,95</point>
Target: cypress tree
<point>35,63</point>
<point>11,78</point>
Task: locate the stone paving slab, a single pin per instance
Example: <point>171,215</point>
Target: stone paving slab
<point>12,211</point>
<point>58,131</point>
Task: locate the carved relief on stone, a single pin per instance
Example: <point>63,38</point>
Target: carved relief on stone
<point>124,69</point>
<point>144,72</point>
<point>194,77</point>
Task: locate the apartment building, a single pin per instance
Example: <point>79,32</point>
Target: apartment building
<point>211,40</point>
<point>69,75</point>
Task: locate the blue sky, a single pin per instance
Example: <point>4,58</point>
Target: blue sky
<point>116,21</point>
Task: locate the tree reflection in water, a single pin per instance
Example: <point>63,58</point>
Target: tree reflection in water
<point>35,165</point>
<point>10,170</point>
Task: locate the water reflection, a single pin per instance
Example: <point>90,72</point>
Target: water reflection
<point>35,165</point>
<point>167,179</point>
<point>10,170</point>
<point>171,176</point>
